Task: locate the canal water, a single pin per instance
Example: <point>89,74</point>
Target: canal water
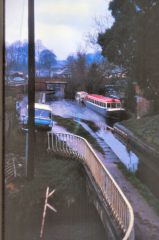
<point>144,168</point>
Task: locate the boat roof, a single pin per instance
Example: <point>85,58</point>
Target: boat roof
<point>82,92</point>
<point>103,99</point>
<point>42,106</point>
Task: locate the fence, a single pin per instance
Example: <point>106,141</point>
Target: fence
<point>10,170</point>
<point>120,207</point>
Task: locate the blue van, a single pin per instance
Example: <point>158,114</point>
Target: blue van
<point>43,117</point>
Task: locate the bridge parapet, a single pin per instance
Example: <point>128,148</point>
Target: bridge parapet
<point>119,206</point>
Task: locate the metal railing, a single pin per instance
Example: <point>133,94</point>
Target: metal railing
<point>113,195</point>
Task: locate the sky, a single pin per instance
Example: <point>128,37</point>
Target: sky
<point>61,25</point>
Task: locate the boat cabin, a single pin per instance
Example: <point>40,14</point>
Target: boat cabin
<point>80,96</point>
<point>104,102</point>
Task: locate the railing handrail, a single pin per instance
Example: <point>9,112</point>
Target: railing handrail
<point>129,233</point>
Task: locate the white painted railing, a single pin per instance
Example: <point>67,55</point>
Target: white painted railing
<point>115,198</point>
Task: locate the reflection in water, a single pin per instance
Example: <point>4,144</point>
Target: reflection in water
<point>126,156</point>
<point>133,160</point>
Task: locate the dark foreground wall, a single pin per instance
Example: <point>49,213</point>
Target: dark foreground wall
<point>1,101</point>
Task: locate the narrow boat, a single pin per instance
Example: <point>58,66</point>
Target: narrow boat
<point>108,107</point>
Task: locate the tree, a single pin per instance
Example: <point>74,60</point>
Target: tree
<point>47,59</point>
<point>17,56</point>
<point>118,42</point>
<point>132,42</point>
<point>147,71</point>
<point>94,79</point>
<point>78,70</point>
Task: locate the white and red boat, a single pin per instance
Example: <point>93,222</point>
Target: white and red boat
<point>80,96</point>
<point>108,107</point>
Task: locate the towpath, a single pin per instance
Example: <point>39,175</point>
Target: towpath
<point>146,219</point>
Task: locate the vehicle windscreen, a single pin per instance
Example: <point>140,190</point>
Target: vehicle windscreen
<point>42,113</point>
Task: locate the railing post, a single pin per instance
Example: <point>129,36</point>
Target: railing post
<point>48,141</point>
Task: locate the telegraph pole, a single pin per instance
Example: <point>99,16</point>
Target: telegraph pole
<point>31,91</point>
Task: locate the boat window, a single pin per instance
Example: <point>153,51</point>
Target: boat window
<point>108,105</point>
<point>118,105</point>
<point>113,105</point>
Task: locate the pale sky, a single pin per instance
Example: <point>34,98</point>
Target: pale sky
<point>61,25</point>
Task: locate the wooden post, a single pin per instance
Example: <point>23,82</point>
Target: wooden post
<point>31,91</point>
<point>45,208</point>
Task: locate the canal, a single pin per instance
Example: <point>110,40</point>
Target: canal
<point>78,218</point>
<point>143,167</point>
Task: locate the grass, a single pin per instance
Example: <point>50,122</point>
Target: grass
<point>57,173</point>
<point>91,124</point>
<point>143,189</point>
<point>146,128</point>
<point>76,128</point>
<point>24,204</point>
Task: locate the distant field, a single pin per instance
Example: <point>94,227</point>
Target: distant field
<point>146,128</point>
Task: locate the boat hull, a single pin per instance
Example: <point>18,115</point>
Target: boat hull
<point>96,108</point>
<point>113,114</point>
